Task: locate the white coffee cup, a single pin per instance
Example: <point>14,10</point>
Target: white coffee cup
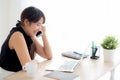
<point>31,68</point>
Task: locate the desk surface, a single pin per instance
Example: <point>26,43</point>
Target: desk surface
<point>88,69</point>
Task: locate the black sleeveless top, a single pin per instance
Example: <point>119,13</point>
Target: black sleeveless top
<point>8,58</point>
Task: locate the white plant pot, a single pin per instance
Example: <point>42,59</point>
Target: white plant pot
<point>108,55</point>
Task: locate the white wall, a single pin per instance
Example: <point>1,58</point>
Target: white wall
<point>14,10</point>
<point>9,14</point>
<point>3,20</point>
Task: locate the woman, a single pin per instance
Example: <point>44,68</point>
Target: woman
<point>22,43</point>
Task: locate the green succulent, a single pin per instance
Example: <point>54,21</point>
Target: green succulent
<point>110,42</point>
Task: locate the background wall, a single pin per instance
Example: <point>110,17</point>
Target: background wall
<point>3,20</point>
<point>9,14</point>
<point>71,24</point>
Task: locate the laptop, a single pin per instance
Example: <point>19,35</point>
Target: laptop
<point>65,66</point>
<point>70,64</point>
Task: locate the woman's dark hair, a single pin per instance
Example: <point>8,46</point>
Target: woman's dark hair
<point>31,13</point>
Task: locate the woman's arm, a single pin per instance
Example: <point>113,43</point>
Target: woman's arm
<point>17,42</point>
<point>45,49</point>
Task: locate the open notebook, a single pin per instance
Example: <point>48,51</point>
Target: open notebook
<point>66,66</point>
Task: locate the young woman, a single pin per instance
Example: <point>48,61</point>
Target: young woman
<point>22,43</point>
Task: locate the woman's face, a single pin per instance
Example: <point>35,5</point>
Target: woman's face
<point>33,28</point>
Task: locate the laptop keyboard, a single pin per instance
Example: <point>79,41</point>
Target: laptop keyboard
<point>68,65</point>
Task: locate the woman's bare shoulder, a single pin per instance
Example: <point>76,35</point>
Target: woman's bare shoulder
<point>17,37</point>
<point>17,33</point>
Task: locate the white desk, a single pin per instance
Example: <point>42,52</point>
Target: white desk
<point>88,69</point>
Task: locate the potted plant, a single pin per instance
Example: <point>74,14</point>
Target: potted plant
<point>109,44</point>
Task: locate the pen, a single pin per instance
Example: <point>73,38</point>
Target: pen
<point>93,44</point>
<point>77,53</point>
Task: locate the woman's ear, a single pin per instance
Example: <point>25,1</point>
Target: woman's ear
<point>26,22</point>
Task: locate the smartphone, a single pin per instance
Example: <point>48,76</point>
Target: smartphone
<point>39,33</point>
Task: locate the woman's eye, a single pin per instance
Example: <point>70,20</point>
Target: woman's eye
<point>39,24</point>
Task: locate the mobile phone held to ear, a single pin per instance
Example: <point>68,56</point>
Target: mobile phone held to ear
<point>39,33</point>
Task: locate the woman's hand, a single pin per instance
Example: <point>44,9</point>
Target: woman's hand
<point>43,29</point>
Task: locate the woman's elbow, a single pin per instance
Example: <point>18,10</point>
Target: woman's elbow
<point>49,57</point>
